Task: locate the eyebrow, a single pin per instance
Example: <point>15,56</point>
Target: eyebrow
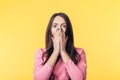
<point>57,23</point>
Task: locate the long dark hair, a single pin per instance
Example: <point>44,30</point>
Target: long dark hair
<point>70,42</point>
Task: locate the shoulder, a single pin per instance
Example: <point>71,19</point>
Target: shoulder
<point>82,53</point>
<point>80,50</point>
<point>39,52</point>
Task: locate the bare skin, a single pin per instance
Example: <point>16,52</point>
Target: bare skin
<point>59,39</point>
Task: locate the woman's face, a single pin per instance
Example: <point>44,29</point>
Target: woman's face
<point>58,24</point>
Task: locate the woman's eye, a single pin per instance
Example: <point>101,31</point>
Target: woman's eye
<point>64,26</point>
<point>54,26</point>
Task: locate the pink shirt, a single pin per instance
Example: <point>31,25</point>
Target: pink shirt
<point>62,71</point>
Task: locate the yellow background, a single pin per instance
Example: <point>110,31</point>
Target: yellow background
<point>96,26</point>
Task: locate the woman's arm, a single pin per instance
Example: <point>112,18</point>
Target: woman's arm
<point>76,72</point>
<point>43,72</point>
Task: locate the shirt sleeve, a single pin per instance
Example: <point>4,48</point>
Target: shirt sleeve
<point>77,72</point>
<point>41,72</point>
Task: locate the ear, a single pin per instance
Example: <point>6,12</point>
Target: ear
<point>52,38</point>
<point>67,38</point>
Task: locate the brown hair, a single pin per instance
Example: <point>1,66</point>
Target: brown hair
<point>70,42</point>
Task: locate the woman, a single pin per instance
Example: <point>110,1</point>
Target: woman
<point>60,60</point>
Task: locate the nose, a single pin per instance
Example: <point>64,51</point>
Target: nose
<point>59,29</point>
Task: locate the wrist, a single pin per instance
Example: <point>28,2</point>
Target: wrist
<point>63,51</point>
<point>55,52</point>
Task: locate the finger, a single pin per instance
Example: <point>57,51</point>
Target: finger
<point>63,34</point>
<point>56,34</point>
<point>58,30</point>
<point>59,46</point>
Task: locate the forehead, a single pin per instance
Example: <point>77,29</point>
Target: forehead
<point>59,20</point>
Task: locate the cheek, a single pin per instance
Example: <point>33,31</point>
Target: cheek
<point>53,31</point>
<point>64,30</point>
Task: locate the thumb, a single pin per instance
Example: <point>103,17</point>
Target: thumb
<point>60,45</point>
